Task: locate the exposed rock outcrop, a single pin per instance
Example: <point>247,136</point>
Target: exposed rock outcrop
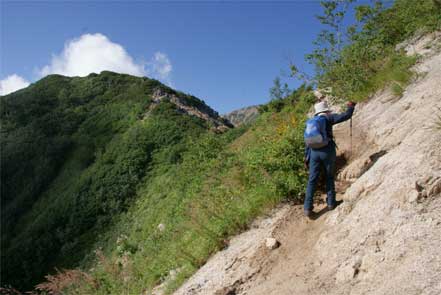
<point>198,108</point>
<point>243,116</point>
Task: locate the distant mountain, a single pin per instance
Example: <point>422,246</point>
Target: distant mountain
<point>73,151</point>
<point>243,116</point>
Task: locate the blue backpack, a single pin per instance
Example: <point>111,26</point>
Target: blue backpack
<point>315,132</point>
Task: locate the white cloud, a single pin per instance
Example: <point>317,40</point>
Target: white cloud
<point>12,83</point>
<point>160,67</point>
<point>92,53</point>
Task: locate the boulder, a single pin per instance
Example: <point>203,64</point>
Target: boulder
<point>271,243</point>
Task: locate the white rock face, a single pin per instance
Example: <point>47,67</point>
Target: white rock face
<point>389,219</point>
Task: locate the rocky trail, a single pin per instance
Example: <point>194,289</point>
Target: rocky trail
<point>384,238</point>
<point>252,265</point>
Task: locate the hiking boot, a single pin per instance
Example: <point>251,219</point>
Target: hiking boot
<point>332,207</point>
<point>309,214</point>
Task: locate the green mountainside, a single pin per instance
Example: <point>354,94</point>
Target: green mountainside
<point>119,181</point>
<point>73,151</point>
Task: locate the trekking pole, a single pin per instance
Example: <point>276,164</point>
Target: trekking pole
<point>350,134</point>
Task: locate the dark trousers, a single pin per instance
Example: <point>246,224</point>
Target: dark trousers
<point>325,156</point>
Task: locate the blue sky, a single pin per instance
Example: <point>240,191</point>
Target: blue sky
<point>226,53</point>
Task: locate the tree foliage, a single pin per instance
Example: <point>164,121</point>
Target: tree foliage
<point>279,91</point>
<point>368,60</point>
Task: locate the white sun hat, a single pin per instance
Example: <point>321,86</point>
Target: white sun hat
<point>321,107</point>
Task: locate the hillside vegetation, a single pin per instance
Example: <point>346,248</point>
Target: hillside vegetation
<point>73,152</point>
<point>97,176</point>
<point>356,61</point>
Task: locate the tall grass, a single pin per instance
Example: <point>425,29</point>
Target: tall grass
<point>395,72</point>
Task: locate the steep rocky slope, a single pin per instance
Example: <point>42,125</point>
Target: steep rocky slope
<point>385,237</point>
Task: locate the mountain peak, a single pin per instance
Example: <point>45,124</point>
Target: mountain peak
<point>242,116</point>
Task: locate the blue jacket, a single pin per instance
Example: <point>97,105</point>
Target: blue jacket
<point>332,119</point>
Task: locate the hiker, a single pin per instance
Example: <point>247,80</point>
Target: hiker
<point>320,149</point>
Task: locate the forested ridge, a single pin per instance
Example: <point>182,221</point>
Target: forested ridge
<point>73,151</point>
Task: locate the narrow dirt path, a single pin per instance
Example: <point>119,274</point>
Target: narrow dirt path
<point>247,266</point>
<point>291,266</point>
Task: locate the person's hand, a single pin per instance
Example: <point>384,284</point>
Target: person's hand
<point>306,164</point>
<point>351,104</point>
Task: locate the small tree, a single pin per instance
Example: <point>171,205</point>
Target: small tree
<point>329,41</point>
<point>285,90</point>
<point>278,91</point>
